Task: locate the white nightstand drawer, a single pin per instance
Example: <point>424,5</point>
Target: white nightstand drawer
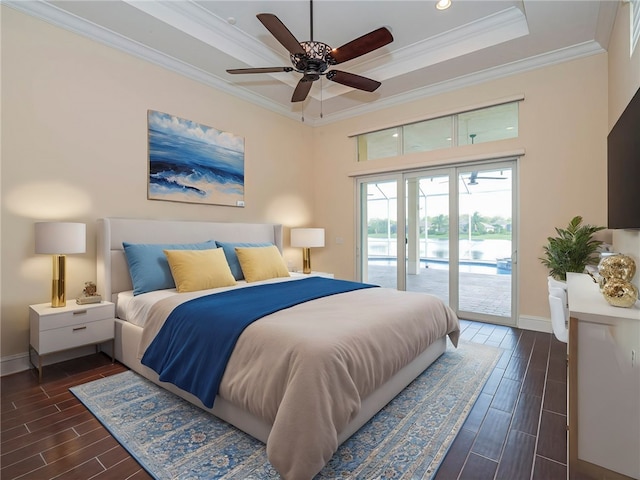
<point>52,318</point>
<point>75,335</point>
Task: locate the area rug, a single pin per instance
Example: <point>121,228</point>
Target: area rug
<point>407,439</point>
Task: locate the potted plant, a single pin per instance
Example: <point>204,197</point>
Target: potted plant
<point>572,250</point>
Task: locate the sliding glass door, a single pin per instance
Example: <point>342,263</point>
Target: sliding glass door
<point>454,230</point>
<point>486,247</point>
<point>428,255</point>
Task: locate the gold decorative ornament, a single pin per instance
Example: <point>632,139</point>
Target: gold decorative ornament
<point>620,293</point>
<point>617,266</point>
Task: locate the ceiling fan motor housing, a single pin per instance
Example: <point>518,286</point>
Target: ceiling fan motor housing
<point>315,61</point>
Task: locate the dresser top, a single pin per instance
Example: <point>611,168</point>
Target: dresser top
<point>585,298</point>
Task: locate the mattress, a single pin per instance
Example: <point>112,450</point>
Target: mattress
<point>135,308</point>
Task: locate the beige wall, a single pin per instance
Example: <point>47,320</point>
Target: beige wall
<point>74,147</point>
<point>563,128</point>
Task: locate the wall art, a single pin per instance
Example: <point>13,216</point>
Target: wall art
<point>194,163</point>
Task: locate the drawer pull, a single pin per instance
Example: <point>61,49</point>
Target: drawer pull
<point>79,312</point>
<point>79,328</point>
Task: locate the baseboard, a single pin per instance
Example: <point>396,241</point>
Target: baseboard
<point>20,362</point>
<point>537,324</point>
<point>14,364</point>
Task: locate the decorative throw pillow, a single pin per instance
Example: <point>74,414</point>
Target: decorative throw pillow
<point>230,252</point>
<point>199,269</point>
<point>261,263</point>
<point>148,265</point>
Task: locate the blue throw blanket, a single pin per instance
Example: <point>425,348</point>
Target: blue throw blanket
<point>192,348</point>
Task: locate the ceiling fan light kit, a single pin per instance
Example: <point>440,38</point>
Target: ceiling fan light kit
<point>312,59</point>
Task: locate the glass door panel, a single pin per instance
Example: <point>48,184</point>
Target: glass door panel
<point>378,232</point>
<point>427,220</point>
<point>485,243</point>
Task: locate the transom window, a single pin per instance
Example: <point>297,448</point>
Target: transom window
<point>475,126</point>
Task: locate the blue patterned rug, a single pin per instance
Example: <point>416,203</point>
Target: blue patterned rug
<point>407,439</point>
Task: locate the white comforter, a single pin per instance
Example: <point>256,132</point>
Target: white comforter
<point>307,368</point>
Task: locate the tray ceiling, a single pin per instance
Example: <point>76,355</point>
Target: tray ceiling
<point>433,51</point>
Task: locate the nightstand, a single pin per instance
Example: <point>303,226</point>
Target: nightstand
<point>63,328</point>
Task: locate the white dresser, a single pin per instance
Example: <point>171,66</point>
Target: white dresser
<point>604,383</point>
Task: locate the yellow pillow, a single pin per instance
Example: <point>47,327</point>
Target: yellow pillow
<point>261,263</point>
<point>199,269</point>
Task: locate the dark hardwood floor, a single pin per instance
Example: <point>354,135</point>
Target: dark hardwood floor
<point>516,430</point>
<point>517,427</point>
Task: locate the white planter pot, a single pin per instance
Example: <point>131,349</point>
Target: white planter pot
<point>559,308</point>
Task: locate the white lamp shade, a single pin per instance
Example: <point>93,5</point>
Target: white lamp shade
<point>307,237</point>
<point>60,238</point>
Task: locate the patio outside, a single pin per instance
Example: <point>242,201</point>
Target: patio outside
<point>485,282</point>
<point>483,247</point>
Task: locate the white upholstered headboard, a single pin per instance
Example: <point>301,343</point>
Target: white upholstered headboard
<point>112,270</point>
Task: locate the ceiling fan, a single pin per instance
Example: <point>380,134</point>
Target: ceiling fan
<point>312,58</point>
<point>473,178</point>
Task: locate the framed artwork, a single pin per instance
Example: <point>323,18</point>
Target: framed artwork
<point>193,163</point>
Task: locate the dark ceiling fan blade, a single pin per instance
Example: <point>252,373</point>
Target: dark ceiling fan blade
<point>361,45</point>
<point>260,70</point>
<point>281,33</point>
<point>302,90</point>
<point>353,80</point>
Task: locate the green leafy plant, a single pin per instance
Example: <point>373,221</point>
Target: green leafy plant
<point>572,250</point>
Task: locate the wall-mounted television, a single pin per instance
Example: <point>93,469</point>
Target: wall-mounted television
<point>623,169</point>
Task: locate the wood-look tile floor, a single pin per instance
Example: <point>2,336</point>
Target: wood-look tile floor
<point>517,427</point>
<point>516,430</point>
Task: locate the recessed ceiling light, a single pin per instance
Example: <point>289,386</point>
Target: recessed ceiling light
<point>510,128</point>
<point>395,135</point>
<point>443,4</point>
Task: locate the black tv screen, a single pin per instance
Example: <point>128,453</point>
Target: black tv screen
<point>623,169</point>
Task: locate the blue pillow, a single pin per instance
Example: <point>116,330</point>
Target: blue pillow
<point>148,265</point>
<point>232,258</point>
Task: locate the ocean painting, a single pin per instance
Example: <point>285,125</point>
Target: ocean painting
<point>193,163</point>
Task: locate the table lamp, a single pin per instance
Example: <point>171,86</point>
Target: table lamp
<point>59,239</point>
<point>307,238</point>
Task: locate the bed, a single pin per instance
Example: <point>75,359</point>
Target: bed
<point>305,422</point>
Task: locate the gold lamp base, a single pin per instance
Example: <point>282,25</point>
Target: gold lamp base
<point>57,283</point>
<point>306,260</point>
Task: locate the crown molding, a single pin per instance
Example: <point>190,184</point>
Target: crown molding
<point>199,23</point>
<point>500,27</point>
<point>60,18</point>
<point>552,58</point>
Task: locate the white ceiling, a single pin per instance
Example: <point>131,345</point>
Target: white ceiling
<point>433,51</point>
